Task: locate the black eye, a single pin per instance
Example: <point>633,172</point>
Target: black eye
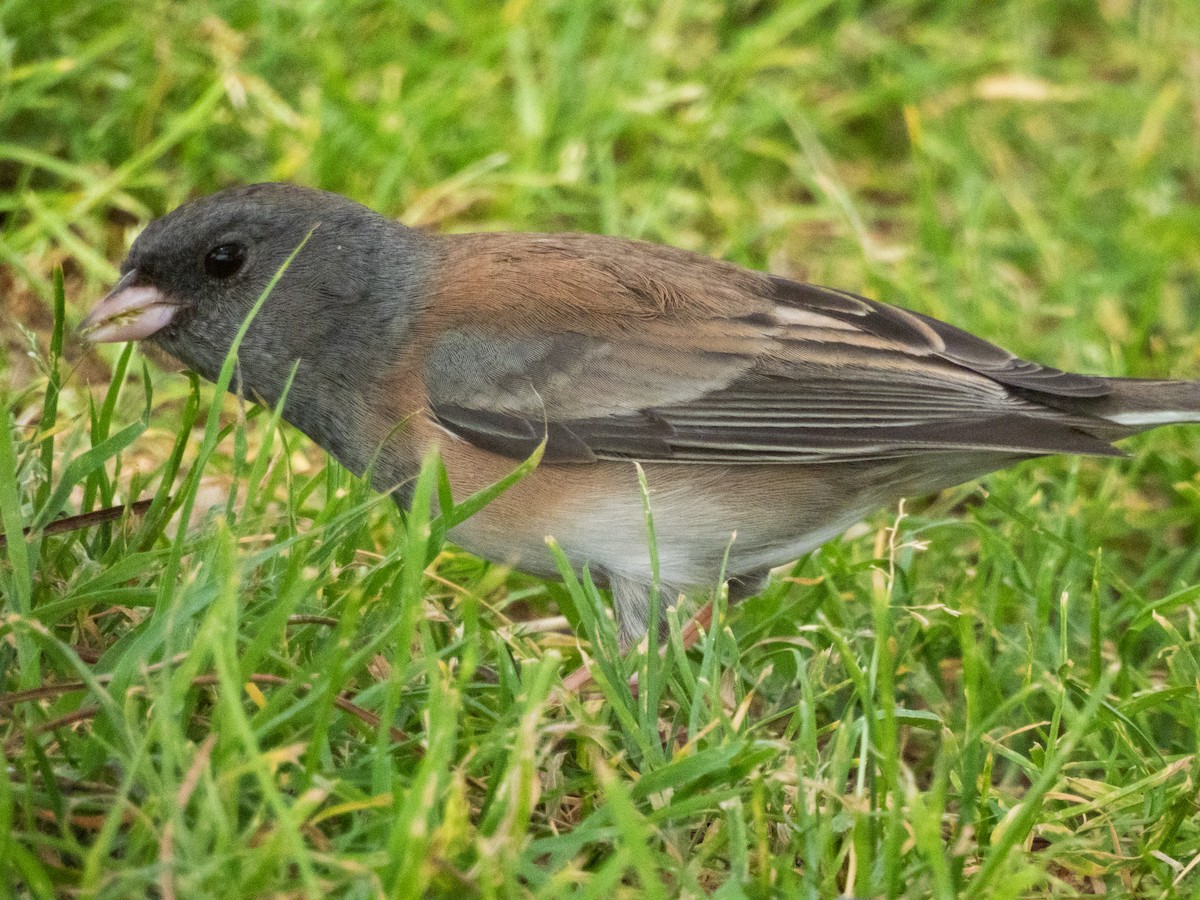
<point>225,260</point>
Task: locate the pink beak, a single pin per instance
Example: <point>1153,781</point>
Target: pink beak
<point>130,312</point>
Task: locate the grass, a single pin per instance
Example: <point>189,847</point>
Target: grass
<point>298,691</point>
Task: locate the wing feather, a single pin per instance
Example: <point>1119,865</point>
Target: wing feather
<point>796,374</point>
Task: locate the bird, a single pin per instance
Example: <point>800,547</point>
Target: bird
<point>767,415</point>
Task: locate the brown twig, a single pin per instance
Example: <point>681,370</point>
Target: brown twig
<point>313,620</point>
<point>80,715</point>
<point>87,520</point>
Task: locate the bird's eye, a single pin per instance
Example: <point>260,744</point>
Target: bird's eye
<point>225,260</point>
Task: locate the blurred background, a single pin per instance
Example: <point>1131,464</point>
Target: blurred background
<point>1027,169</point>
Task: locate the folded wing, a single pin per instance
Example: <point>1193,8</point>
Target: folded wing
<point>783,373</point>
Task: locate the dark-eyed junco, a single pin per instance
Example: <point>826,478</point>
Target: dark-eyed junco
<point>769,415</point>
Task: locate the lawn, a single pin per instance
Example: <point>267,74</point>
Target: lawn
<point>263,680</point>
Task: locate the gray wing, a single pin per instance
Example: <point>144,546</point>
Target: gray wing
<point>802,374</point>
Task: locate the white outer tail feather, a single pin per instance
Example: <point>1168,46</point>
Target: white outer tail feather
<point>1153,417</point>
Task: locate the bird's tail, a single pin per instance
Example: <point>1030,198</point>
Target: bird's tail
<point>1136,405</point>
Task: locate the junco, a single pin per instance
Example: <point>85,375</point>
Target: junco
<point>769,415</point>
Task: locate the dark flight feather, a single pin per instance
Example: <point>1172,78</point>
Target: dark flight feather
<point>828,376</point>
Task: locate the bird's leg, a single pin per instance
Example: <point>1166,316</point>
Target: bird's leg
<point>749,585</point>
<point>631,607</point>
<point>696,627</point>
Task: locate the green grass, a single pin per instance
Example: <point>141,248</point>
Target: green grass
<point>301,692</point>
